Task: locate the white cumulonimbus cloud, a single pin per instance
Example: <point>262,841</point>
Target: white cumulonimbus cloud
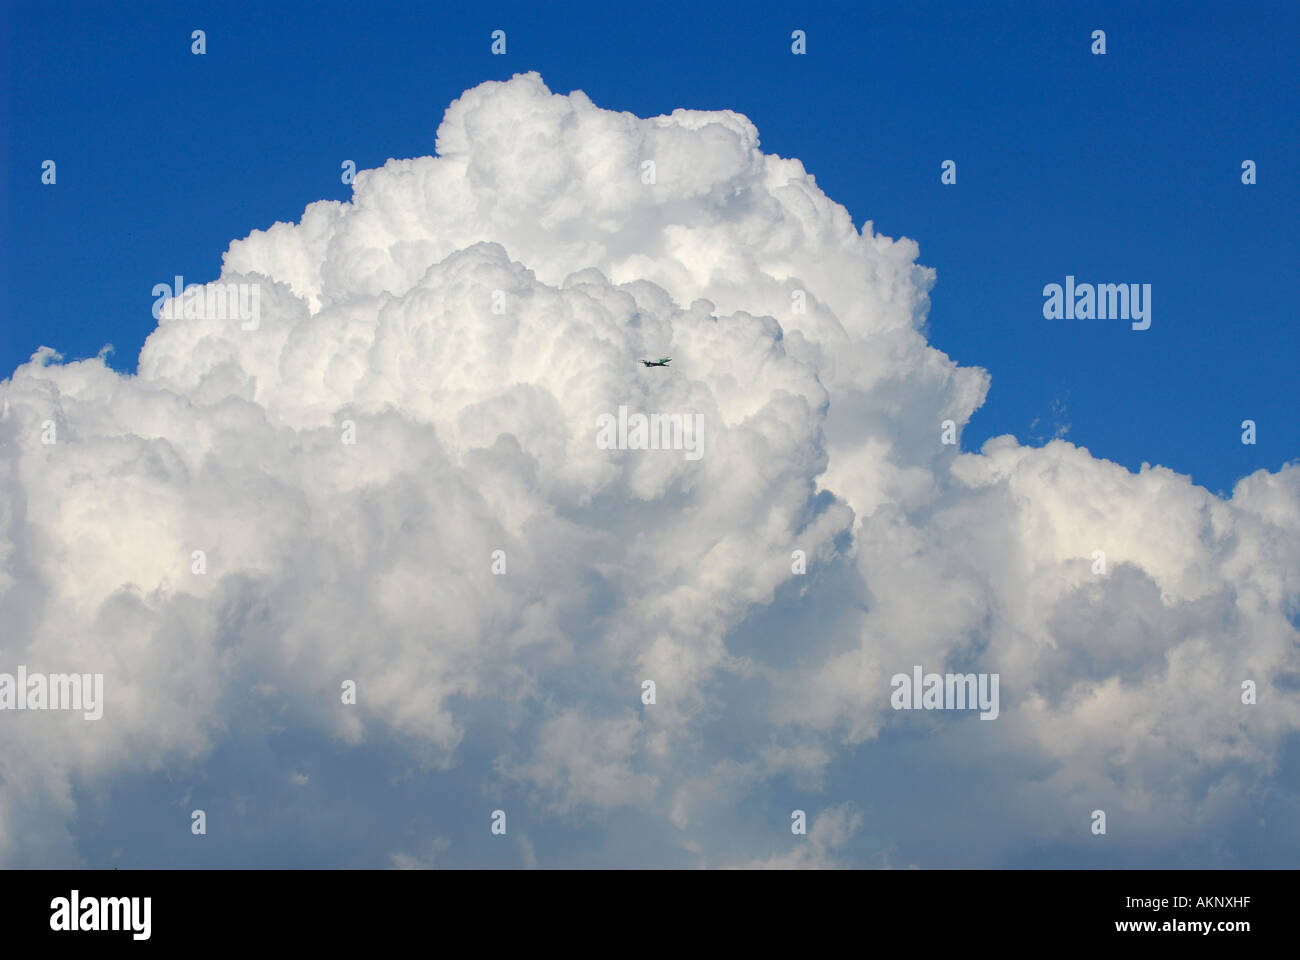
<point>466,320</point>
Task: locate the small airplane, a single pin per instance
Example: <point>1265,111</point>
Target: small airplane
<point>661,362</point>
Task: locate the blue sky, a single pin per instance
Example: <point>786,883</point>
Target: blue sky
<point>1122,168</point>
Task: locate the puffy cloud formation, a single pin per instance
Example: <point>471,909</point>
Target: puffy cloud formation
<point>466,320</point>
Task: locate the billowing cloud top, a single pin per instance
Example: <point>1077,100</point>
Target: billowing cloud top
<point>394,479</point>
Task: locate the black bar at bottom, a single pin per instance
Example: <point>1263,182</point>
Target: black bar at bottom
<point>667,910</point>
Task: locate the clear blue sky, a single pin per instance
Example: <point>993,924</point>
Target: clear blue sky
<point>1122,168</point>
